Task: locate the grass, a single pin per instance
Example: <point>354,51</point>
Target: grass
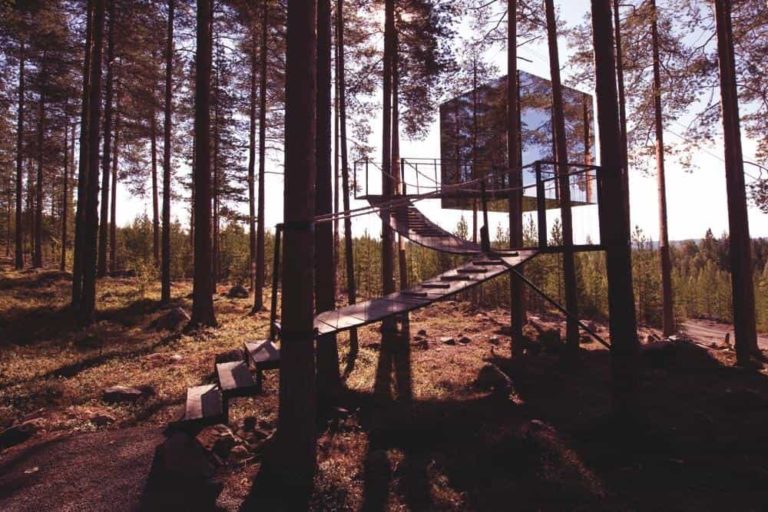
<point>412,432</point>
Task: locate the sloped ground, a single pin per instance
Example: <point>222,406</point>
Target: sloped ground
<point>412,433</point>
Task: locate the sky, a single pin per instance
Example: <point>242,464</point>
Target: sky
<point>696,199</point>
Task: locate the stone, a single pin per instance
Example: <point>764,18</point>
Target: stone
<point>124,394</point>
<point>17,434</point>
<point>491,378</point>
<point>551,340</point>
<point>658,354</point>
<point>465,340</point>
<point>223,446</point>
<point>238,292</point>
<point>422,344</point>
<point>249,423</point>
<point>239,453</point>
<point>172,320</point>
<point>422,332</point>
<point>181,454</point>
<point>494,340</point>
<point>447,340</point>
<point>103,419</point>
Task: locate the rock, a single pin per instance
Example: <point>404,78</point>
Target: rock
<point>229,356</point>
<point>422,332</point>
<point>17,434</point>
<point>172,320</point>
<point>249,423</point>
<point>125,394</point>
<point>465,340</point>
<point>658,354</point>
<point>223,446</point>
<point>103,419</point>
<point>418,338</point>
<point>491,378</point>
<point>446,340</point>
<point>238,292</point>
<point>182,455</point>
<point>422,344</point>
<point>551,340</point>
<point>176,358</point>
<point>239,453</point>
<point>494,340</point>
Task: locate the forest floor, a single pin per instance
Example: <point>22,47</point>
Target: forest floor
<point>413,431</point>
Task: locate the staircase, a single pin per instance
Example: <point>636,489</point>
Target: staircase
<point>208,404</point>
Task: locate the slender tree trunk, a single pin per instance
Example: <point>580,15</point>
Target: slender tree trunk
<point>165,277</point>
<point>90,233</point>
<point>82,177</point>
<point>349,256</point>
<point>402,262</point>
<point>106,161</point>
<point>216,183</point>
<point>328,378</point>
<point>252,159</point>
<point>563,172</point>
<point>668,317</point>
<point>258,294</point>
<point>296,441</point>
<point>387,253</point>
<point>37,259</point>
<point>19,160</point>
<point>620,78</point>
<point>155,204</point>
<point>738,218</point>
<point>202,286</point>
<point>113,200</point>
<point>65,198</point>
<point>614,216</point>
<point>515,201</point>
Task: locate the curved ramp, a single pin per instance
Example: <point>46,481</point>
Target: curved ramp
<point>411,223</point>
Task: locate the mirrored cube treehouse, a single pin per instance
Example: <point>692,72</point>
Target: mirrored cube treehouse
<point>473,143</point>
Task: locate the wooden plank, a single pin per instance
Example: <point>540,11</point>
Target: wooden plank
<point>204,404</point>
<point>235,379</point>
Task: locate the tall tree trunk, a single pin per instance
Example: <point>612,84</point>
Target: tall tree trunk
<point>328,378</point>
<point>515,200</point>
<point>37,259</point>
<point>202,285</point>
<point>402,262</point>
<point>387,252</point>
<point>563,172</point>
<point>668,317</point>
<point>258,293</point>
<point>216,269</point>
<point>113,200</point>
<point>165,273</point>
<point>738,220</point>
<point>252,99</point>
<point>349,256</point>
<point>106,161</point>
<point>155,203</point>
<point>82,172</point>
<point>296,441</point>
<point>19,260</point>
<point>622,94</point>
<point>614,216</point>
<point>65,198</point>
<point>91,228</point>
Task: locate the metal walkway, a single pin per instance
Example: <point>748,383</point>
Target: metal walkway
<point>410,223</point>
<point>438,288</point>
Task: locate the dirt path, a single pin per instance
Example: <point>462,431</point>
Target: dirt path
<point>709,331</point>
<point>101,471</point>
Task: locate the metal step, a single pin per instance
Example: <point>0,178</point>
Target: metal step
<point>205,406</point>
<point>235,379</point>
<point>441,286</point>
